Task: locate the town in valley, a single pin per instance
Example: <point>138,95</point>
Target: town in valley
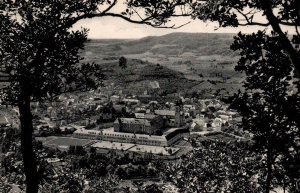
<point>134,129</point>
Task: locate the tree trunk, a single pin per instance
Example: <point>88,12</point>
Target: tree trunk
<point>29,160</point>
<point>269,171</point>
<point>287,45</point>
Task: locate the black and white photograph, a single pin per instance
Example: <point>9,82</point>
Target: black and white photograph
<point>149,96</point>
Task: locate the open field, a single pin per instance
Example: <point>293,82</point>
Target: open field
<point>64,141</point>
<point>113,145</point>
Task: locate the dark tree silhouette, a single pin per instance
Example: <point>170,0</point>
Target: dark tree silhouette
<point>217,166</point>
<point>122,62</point>
<point>270,112</point>
<point>39,52</point>
<point>270,104</point>
<point>236,13</point>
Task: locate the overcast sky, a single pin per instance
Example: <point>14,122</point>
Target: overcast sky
<point>116,28</point>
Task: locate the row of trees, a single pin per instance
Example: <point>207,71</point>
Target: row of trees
<point>39,54</point>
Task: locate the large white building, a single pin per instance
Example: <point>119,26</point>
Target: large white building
<point>147,129</point>
<point>168,138</point>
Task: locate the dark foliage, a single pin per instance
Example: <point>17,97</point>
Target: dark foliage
<point>270,103</point>
<point>122,62</point>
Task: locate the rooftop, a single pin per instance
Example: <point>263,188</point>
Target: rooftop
<point>110,132</point>
<point>134,121</point>
<point>165,112</point>
<point>145,116</point>
<point>154,149</point>
<point>113,145</point>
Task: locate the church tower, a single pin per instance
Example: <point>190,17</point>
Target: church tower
<point>179,121</point>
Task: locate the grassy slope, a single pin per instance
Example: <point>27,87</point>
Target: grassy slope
<point>136,78</point>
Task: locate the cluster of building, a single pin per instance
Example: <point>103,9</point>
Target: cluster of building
<point>116,117</point>
<point>216,116</point>
<point>160,128</point>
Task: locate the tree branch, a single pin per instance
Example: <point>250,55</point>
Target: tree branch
<point>254,23</point>
<point>287,23</point>
<point>110,7</point>
<point>250,21</point>
<point>144,21</point>
<point>287,45</point>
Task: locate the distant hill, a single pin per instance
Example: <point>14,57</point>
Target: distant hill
<point>170,44</point>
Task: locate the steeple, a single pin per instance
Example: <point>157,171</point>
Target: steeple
<point>179,113</point>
